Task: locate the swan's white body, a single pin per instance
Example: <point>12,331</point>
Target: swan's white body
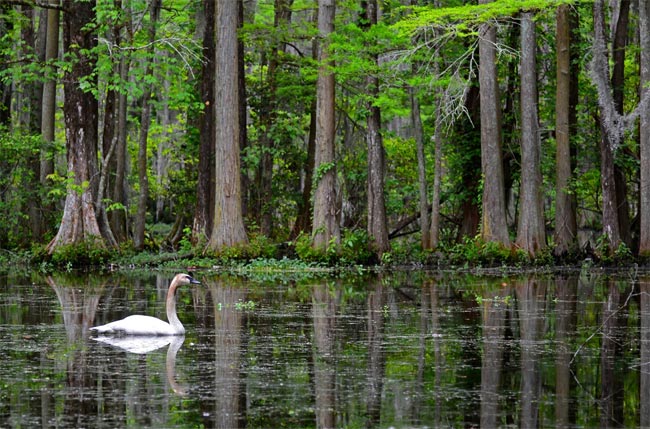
<point>147,325</point>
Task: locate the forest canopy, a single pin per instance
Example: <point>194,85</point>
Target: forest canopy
<point>364,131</point>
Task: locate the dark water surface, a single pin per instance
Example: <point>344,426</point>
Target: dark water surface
<point>398,350</point>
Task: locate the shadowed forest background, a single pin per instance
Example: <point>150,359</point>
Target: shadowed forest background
<point>365,131</point>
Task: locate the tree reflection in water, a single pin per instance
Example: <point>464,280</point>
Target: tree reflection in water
<point>324,307</point>
<point>531,303</point>
<point>565,333</point>
<point>376,351</point>
<point>228,409</point>
<point>78,300</point>
<point>614,322</point>
<point>495,313</point>
<point>408,349</point>
<point>644,367</point>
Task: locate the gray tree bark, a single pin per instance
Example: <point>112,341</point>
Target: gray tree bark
<point>613,124</point>
<point>228,225</point>
<point>565,203</point>
<point>644,143</point>
<point>377,224</point>
<point>118,218</point>
<point>325,224</point>
<point>49,88</point>
<point>79,221</point>
<point>48,101</point>
<point>203,213</point>
<point>531,236</point>
<point>493,225</point>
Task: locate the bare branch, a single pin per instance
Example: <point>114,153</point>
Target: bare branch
<point>178,45</point>
<point>34,3</point>
<point>614,123</point>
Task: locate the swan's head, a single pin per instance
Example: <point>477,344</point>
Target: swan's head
<point>186,279</point>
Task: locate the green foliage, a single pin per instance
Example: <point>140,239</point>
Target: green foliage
<point>20,189</point>
<point>322,170</point>
<point>306,252</point>
<point>258,246</point>
<point>408,251</point>
<point>185,244</point>
<point>402,194</point>
<point>622,255</point>
<point>463,20</point>
<point>427,49</point>
<point>91,252</point>
<point>543,258</point>
<point>276,271</point>
<point>476,252</point>
<point>353,249</point>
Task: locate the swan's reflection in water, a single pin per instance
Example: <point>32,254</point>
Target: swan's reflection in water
<point>142,345</point>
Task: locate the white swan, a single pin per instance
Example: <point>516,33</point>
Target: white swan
<point>150,326</point>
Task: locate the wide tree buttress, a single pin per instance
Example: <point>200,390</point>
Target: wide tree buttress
<point>80,109</point>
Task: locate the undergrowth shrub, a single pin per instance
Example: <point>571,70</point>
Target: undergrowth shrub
<point>354,248</point>
<point>88,253</point>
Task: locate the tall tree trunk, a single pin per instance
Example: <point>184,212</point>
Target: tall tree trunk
<point>377,224</point>
<point>79,221</point>
<point>493,226</point>
<point>434,233</point>
<point>531,236</point>
<point>243,17</point>
<point>644,139</point>
<point>611,228</point>
<point>118,218</point>
<point>27,96</point>
<point>228,226</point>
<point>509,125</point>
<point>565,202</point>
<point>110,140</point>
<point>611,126</point>
<point>140,220</point>
<point>203,212</point>
<point>49,90</point>
<point>48,101</point>
<point>29,115</point>
<point>325,226</point>
<point>619,44</point>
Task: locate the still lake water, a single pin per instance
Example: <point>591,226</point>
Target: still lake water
<point>406,349</point>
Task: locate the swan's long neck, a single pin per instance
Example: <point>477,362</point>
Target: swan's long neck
<point>176,324</point>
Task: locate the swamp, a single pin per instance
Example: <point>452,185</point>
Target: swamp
<point>411,348</point>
